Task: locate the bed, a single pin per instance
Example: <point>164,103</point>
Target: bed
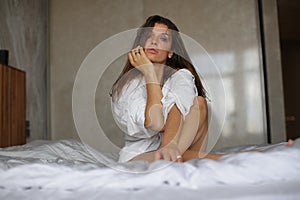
<point>69,169</point>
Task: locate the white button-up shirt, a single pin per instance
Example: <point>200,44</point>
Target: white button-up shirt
<point>129,111</point>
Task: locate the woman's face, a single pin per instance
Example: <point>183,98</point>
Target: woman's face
<point>158,44</point>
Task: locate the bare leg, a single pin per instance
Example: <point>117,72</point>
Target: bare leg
<point>200,141</point>
<point>149,156</point>
<point>190,154</point>
<point>198,146</point>
<point>191,133</point>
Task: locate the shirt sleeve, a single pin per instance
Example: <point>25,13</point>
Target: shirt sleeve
<point>181,90</point>
<point>129,110</point>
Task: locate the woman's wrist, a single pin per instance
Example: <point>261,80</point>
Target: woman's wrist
<point>151,77</point>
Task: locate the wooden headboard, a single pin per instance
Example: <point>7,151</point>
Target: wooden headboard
<point>12,106</point>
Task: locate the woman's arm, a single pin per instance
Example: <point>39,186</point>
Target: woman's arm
<point>169,149</point>
<point>173,127</point>
<point>153,113</point>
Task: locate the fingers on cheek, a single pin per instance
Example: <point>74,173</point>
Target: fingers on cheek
<point>133,52</point>
<point>130,58</point>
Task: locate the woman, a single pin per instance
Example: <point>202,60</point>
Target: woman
<point>159,99</point>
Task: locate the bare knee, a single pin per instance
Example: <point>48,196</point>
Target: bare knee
<point>202,105</point>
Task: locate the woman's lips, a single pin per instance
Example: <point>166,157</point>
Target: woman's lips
<point>152,51</point>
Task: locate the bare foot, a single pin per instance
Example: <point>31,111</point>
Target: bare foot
<point>290,143</point>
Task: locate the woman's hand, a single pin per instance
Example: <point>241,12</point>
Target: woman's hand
<point>154,118</point>
<point>169,152</point>
<point>139,60</point>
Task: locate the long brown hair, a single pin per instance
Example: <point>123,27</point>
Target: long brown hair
<point>179,60</point>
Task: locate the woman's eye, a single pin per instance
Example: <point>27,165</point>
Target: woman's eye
<point>164,39</point>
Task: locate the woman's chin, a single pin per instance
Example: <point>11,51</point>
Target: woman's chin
<point>157,61</point>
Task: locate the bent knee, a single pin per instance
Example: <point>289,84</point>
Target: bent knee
<point>200,99</point>
<point>201,102</point>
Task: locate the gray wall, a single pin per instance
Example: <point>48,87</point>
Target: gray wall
<point>23,32</point>
<point>227,29</point>
<point>76,27</point>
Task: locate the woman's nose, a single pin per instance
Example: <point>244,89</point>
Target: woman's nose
<point>153,41</point>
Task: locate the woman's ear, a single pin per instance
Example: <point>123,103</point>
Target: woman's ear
<point>170,54</point>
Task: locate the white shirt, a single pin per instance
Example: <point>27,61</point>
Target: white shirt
<point>129,111</point>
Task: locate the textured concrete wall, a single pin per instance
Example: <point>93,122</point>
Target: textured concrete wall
<point>24,33</point>
<point>76,27</point>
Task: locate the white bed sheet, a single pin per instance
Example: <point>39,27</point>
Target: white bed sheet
<point>68,169</point>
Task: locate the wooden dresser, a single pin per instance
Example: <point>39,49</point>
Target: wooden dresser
<point>12,106</point>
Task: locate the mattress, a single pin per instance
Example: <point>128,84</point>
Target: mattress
<point>70,169</point>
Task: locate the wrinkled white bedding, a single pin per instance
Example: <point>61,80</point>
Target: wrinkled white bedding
<point>68,169</point>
